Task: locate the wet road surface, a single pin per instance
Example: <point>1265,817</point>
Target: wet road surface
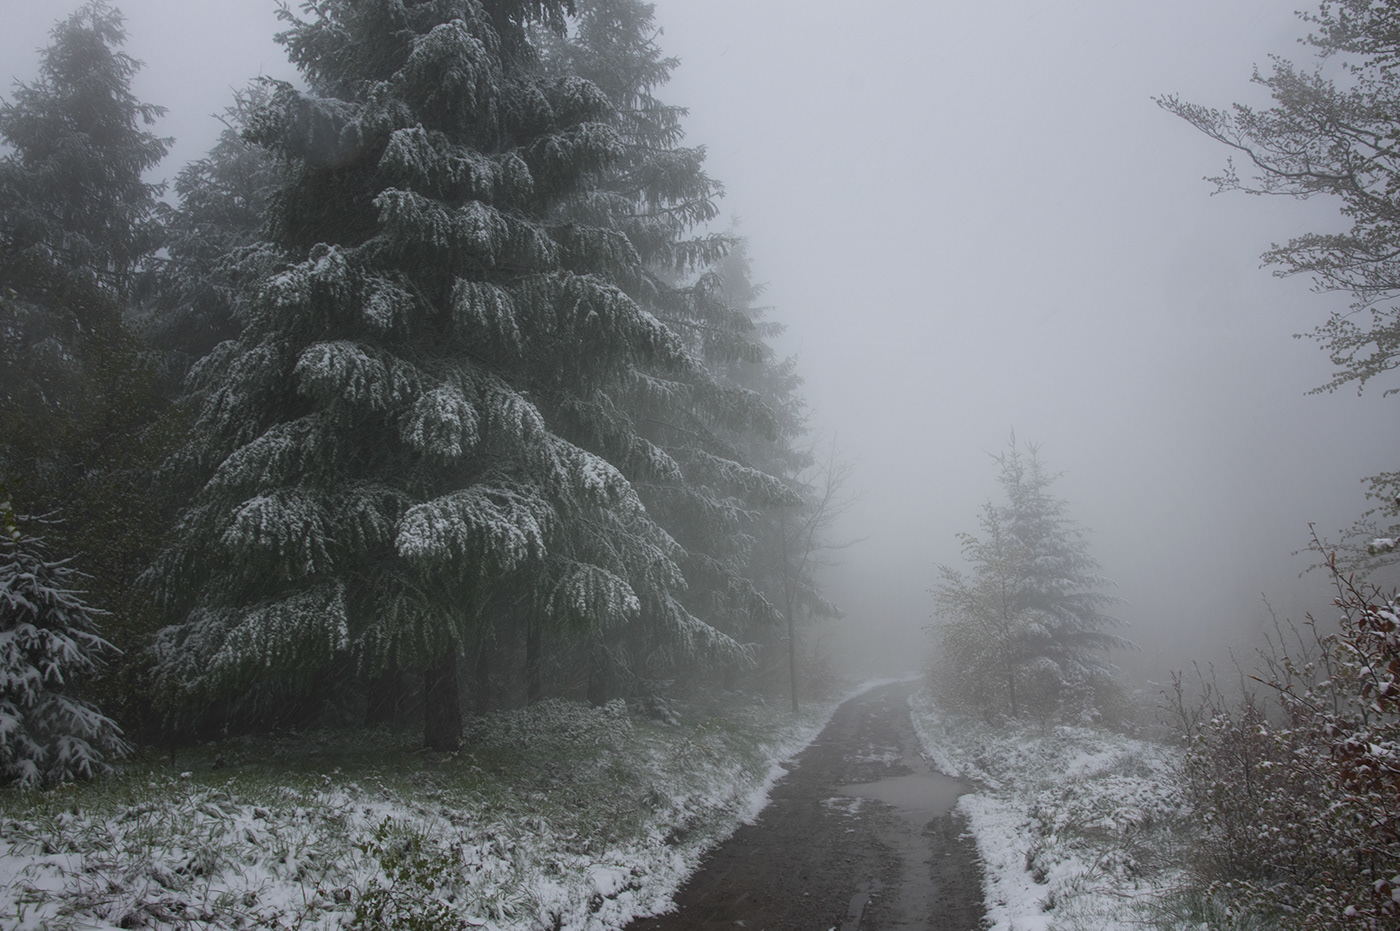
<point>859,836</point>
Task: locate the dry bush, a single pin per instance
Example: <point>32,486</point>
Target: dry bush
<point>1297,784</point>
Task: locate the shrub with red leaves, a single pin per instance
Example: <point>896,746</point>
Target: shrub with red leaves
<point>1299,798</point>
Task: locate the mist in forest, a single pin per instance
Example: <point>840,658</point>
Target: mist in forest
<point>973,219</point>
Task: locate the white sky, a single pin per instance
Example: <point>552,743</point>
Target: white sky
<point>973,218</point>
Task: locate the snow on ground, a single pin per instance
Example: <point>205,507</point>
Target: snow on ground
<point>1078,827</point>
<point>556,816</point>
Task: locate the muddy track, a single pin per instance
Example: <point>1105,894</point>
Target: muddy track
<point>858,835</point>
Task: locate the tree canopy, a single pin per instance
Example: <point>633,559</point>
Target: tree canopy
<point>440,353</point>
<point>477,387</point>
<point>78,227</point>
<point>1331,132</point>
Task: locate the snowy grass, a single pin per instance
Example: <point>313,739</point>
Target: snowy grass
<point>557,816</point>
<point>1078,828</point>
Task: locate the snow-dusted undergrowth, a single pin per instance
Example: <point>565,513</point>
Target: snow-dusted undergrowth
<point>558,816</point>
<point>1078,828</point>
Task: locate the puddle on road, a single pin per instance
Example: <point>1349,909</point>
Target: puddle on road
<point>923,795</point>
<point>846,804</point>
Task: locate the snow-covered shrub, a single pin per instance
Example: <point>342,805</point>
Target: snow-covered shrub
<point>1079,828</point>
<point>553,726</point>
<point>48,639</point>
<point>1193,910</point>
<point>1298,789</point>
<point>420,884</point>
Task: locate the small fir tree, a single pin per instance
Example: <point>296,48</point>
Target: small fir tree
<point>48,642</point>
<point>1026,630</point>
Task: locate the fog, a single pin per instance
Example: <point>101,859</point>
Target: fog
<point>973,219</point>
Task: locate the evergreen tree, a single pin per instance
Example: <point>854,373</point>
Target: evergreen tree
<point>979,629</point>
<point>78,218</point>
<point>48,641</point>
<point>1027,629</point>
<point>688,454</point>
<point>787,538</point>
<point>77,226</point>
<point>223,200</point>
<point>385,448</point>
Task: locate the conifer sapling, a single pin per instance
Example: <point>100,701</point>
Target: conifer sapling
<point>48,640</point>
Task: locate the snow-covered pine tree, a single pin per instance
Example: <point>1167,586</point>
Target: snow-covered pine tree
<point>1069,635</point>
<point>713,427</point>
<point>1031,617</point>
<point>76,227</point>
<point>78,216</point>
<point>48,641</point>
<point>977,662</point>
<point>223,199</point>
<point>786,538</point>
<point>386,477</point>
<point>685,426</point>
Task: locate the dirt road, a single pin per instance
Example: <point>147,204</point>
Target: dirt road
<point>858,835</point>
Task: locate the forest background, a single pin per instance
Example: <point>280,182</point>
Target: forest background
<point>1076,283</point>
<point>399,469</point>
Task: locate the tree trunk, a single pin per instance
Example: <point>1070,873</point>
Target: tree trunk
<point>792,655</point>
<point>481,686</point>
<point>534,680</point>
<point>788,583</point>
<point>442,711</point>
<point>597,677</point>
<point>384,692</point>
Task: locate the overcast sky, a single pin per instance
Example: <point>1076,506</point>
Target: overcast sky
<point>973,219</point>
